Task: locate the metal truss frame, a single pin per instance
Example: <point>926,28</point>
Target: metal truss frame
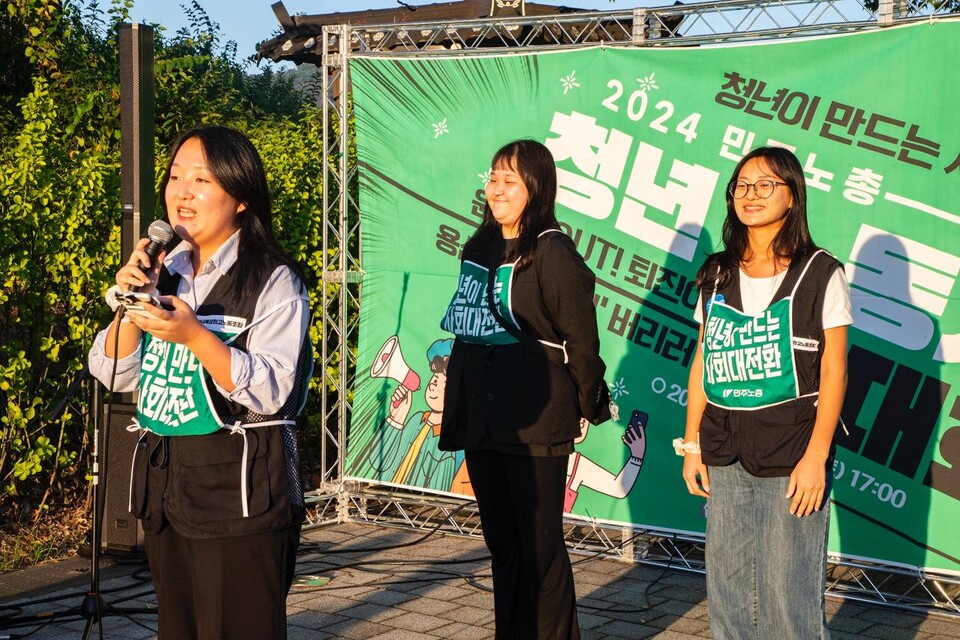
<point>698,23</point>
<point>703,23</point>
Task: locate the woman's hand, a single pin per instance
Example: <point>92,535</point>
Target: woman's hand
<point>131,275</point>
<point>178,324</point>
<point>808,483</point>
<point>692,468</point>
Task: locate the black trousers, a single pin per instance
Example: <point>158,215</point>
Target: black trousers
<point>521,510</point>
<point>225,588</point>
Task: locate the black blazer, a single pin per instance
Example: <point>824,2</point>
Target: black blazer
<point>525,393</point>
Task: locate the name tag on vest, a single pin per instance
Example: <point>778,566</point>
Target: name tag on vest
<point>805,344</point>
<point>230,325</point>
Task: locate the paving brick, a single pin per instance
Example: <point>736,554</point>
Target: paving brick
<point>842,635</point>
<point>680,608</point>
<point>413,621</point>
<point>940,626</point>
<point>690,626</point>
<point>356,578</point>
<point>389,597</point>
<point>428,606</point>
<point>317,598</point>
<point>479,599</point>
<point>892,617</point>
<point>683,594</point>
<point>594,604</point>
<point>356,629</point>
<point>592,578</point>
<point>844,607</point>
<point>443,591</point>
<point>850,625</point>
<point>370,612</point>
<point>887,632</point>
<point>299,633</point>
<point>628,629</point>
<point>131,630</point>
<point>465,632</point>
<point>326,604</point>
<point>590,620</point>
<point>316,620</point>
<point>670,634</point>
<point>681,578</point>
<point>393,634</point>
<point>634,599</point>
<point>467,614</point>
<point>349,592</point>
<point>616,600</point>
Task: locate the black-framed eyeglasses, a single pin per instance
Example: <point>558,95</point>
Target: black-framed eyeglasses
<point>762,188</point>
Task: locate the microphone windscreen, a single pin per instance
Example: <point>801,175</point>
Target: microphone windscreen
<point>160,231</point>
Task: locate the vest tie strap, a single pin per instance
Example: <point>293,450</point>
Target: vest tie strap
<point>235,430</point>
<point>141,443</point>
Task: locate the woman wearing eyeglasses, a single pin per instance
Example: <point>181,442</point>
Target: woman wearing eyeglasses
<point>764,397</point>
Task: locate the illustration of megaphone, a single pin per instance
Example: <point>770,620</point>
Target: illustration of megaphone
<point>389,363</point>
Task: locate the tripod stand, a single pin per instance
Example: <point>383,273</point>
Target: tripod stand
<point>94,608</point>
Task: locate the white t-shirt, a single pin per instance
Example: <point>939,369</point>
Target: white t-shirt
<point>756,294</point>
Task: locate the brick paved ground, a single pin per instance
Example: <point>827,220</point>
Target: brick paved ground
<point>439,588</point>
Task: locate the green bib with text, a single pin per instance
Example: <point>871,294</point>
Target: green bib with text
<point>748,360</point>
<point>173,396</point>
<point>468,315</point>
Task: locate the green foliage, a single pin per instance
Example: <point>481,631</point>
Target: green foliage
<point>60,212</point>
<point>58,174</point>
<point>197,80</point>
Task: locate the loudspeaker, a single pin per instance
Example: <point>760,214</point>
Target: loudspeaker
<point>121,532</point>
<point>389,363</point>
<point>137,198</point>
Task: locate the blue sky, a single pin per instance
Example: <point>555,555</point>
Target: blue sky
<point>250,21</point>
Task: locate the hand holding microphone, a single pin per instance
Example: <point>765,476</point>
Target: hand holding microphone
<point>143,266</point>
<point>141,270</point>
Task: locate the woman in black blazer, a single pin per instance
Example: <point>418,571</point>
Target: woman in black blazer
<point>524,371</point>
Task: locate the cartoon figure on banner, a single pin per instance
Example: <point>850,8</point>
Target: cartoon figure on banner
<point>404,449</point>
<point>584,472</point>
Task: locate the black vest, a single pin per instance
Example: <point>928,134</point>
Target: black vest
<point>195,483</point>
<point>769,442</point>
<point>214,305</point>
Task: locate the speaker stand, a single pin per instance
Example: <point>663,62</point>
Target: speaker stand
<point>94,607</point>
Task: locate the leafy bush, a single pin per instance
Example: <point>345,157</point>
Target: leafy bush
<point>60,214</point>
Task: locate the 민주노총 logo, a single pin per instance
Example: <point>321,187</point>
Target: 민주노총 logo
<point>743,393</point>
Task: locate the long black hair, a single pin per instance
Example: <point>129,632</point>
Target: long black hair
<point>237,168</point>
<point>793,240</point>
<point>533,162</point>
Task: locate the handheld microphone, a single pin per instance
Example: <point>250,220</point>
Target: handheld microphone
<point>160,233</point>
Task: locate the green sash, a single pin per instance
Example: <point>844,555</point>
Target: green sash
<point>468,315</point>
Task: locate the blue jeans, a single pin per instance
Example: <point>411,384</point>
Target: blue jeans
<point>766,568</point>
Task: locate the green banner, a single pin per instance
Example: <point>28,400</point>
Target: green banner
<point>645,141</point>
